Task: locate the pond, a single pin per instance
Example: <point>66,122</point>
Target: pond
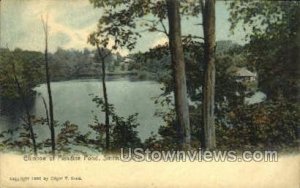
<point>72,102</point>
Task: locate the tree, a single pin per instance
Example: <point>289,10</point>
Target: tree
<point>119,23</point>
<point>103,53</point>
<point>20,72</point>
<point>28,119</point>
<point>208,17</point>
<point>123,132</point>
<point>48,79</point>
<point>179,77</point>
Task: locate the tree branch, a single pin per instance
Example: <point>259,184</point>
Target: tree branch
<point>198,24</point>
<point>193,36</point>
<point>164,28</point>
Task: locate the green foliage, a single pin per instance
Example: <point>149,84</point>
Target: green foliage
<point>124,134</point>
<point>19,139</point>
<point>229,95</point>
<point>66,136</point>
<point>26,65</point>
<point>157,62</point>
<point>29,65</point>
<point>72,64</point>
<point>272,31</point>
<point>269,125</point>
<point>122,20</point>
<point>68,139</point>
<point>122,130</point>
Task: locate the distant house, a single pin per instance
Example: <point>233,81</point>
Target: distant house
<point>91,55</point>
<point>128,60</point>
<point>244,75</point>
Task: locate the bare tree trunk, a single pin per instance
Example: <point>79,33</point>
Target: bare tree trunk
<point>28,117</point>
<point>298,68</point>
<point>52,129</point>
<point>180,90</point>
<point>107,137</point>
<point>298,42</point>
<point>208,12</point>
<point>46,111</point>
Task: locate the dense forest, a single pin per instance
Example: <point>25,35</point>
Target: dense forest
<point>205,82</point>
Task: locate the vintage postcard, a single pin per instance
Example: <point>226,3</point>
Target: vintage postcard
<point>149,93</point>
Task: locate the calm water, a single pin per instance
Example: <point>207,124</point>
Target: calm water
<point>72,101</point>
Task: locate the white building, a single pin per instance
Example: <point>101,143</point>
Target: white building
<point>244,75</point>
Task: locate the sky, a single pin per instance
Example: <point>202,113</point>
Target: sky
<point>71,21</point>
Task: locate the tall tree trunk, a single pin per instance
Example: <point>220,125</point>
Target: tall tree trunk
<point>28,117</point>
<point>107,135</point>
<point>177,56</point>
<point>52,129</point>
<point>297,58</point>
<point>208,12</point>
<point>46,112</point>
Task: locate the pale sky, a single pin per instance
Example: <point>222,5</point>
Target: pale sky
<point>71,21</point>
